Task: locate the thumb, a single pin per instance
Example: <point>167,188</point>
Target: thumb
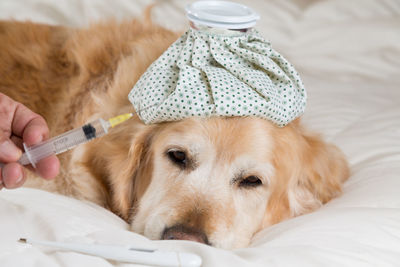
<point>9,152</point>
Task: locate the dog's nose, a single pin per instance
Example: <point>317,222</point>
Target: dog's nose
<point>181,232</point>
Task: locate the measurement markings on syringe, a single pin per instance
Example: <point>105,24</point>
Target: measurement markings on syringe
<point>61,144</point>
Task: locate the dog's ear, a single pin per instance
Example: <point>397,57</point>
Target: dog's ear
<point>130,171</point>
<point>308,173</point>
<point>122,163</point>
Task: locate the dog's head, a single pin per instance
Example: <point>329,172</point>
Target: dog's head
<point>219,180</point>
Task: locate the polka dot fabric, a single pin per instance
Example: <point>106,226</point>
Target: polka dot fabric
<point>205,74</point>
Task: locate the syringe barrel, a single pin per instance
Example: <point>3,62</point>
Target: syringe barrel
<point>64,142</point>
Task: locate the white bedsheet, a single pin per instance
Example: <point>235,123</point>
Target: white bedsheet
<point>348,53</point>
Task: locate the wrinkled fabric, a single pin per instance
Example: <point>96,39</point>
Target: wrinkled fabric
<point>348,55</point>
<point>206,74</point>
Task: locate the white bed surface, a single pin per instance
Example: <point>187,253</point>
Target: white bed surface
<point>348,53</point>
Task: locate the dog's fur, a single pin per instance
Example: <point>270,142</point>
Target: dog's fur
<point>70,76</point>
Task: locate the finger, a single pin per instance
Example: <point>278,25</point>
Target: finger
<point>35,131</point>
<point>29,125</point>
<point>9,152</point>
<point>12,175</point>
<point>48,167</point>
<point>7,111</point>
<point>17,141</point>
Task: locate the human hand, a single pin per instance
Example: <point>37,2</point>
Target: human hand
<point>18,125</point>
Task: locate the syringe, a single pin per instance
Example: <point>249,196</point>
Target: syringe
<point>69,140</point>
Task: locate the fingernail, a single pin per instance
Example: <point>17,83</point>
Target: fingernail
<point>9,150</point>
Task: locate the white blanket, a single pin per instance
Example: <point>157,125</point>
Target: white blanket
<point>348,53</point>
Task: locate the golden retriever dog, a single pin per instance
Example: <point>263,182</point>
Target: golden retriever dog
<point>212,180</point>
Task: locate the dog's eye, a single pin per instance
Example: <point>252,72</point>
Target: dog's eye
<point>177,157</point>
<point>250,181</point>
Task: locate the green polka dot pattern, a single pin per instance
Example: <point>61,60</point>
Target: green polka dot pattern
<point>204,74</point>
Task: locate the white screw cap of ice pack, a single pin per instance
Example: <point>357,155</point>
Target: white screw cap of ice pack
<point>222,14</point>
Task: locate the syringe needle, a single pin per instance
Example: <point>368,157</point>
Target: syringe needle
<point>119,119</point>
